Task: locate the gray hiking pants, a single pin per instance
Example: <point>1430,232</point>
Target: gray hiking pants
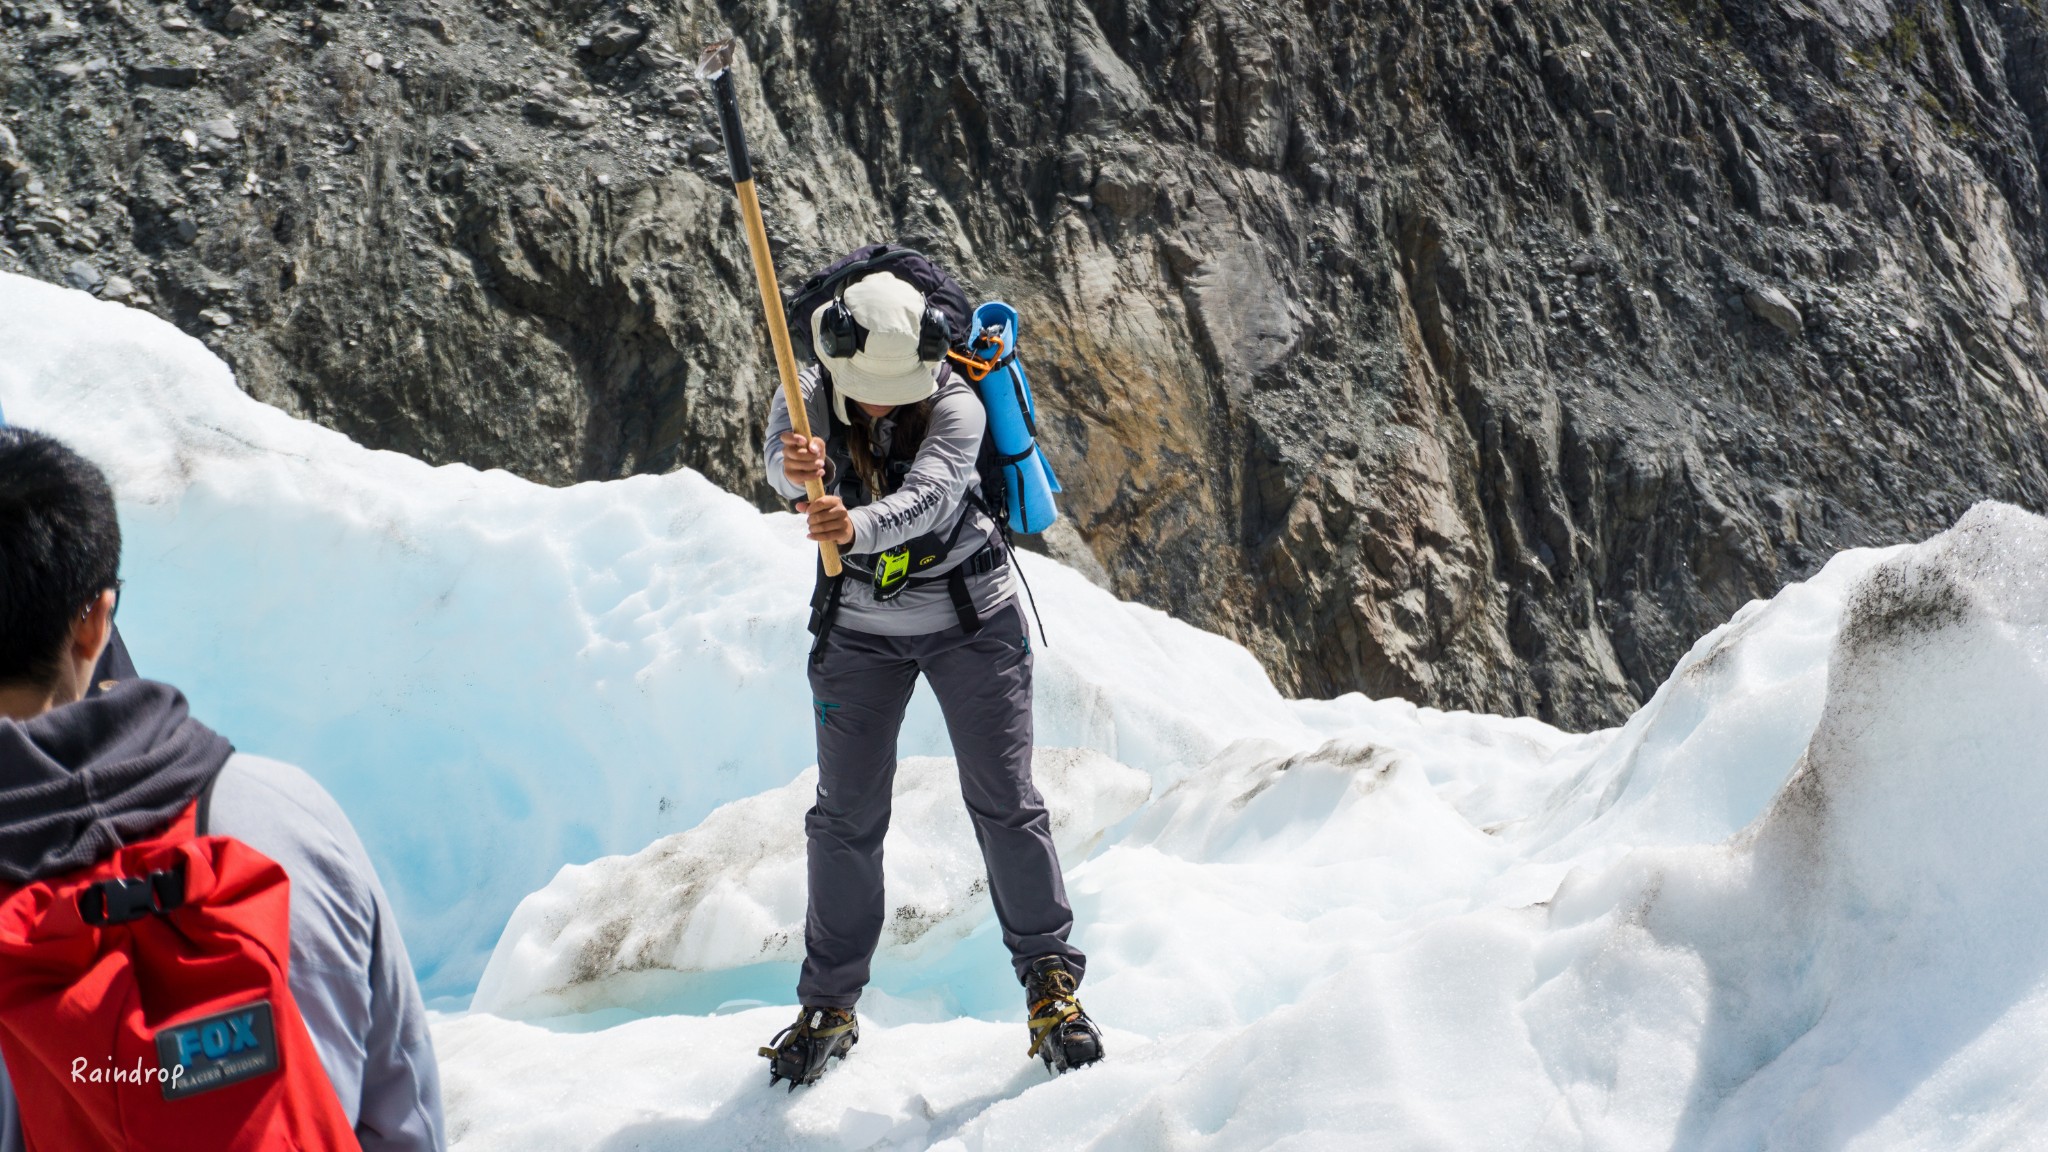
<point>861,687</point>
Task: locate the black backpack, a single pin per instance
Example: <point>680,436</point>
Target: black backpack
<point>941,290</point>
<point>943,293</point>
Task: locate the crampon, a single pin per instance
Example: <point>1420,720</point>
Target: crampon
<point>799,1052</point>
<point>1062,1035</point>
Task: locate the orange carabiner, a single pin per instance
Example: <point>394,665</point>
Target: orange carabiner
<point>974,367</point>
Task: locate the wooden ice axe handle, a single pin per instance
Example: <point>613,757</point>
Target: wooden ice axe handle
<point>764,276</point>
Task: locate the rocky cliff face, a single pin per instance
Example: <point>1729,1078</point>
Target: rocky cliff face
<point>1480,351</point>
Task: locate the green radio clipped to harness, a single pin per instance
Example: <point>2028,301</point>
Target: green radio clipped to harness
<point>894,568</point>
<point>891,572</point>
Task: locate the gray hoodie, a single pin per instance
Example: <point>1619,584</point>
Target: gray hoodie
<point>931,498</point>
<point>82,779</point>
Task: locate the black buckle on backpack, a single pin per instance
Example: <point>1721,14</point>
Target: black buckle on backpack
<point>127,898</point>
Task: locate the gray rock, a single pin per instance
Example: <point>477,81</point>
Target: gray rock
<point>83,276</point>
<point>656,58</point>
<point>435,25</point>
<point>374,61</point>
<point>241,17</point>
<point>1106,92</point>
<point>1077,171</point>
<point>222,129</point>
<point>554,114</point>
<point>466,148</point>
<point>117,288</point>
<point>1272,273</point>
<point>168,74</point>
<point>1126,189</point>
<point>1063,542</point>
<point>613,39</point>
<point>216,317</point>
<point>1771,306</point>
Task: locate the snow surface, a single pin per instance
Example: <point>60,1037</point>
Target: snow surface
<point>1793,903</point>
<point>494,677</point>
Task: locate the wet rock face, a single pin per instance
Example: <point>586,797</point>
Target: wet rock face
<point>1483,353</point>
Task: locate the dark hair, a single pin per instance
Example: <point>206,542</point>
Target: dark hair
<point>912,421</point>
<point>60,546</point>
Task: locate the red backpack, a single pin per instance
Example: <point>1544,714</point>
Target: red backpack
<point>144,1006</point>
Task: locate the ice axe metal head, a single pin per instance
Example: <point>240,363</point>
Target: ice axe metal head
<point>716,58</point>
<point>715,65</point>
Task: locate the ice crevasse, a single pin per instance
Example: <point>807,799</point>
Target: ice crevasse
<point>1792,903</point>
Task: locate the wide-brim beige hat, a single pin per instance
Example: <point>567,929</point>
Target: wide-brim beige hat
<point>886,370</point>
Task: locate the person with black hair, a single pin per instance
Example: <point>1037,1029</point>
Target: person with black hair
<point>137,845</point>
<point>930,588</point>
<point>116,665</point>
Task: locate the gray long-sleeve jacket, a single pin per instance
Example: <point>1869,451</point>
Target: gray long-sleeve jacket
<point>932,497</point>
<point>349,972</point>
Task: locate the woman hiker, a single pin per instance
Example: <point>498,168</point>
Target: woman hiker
<point>900,466</point>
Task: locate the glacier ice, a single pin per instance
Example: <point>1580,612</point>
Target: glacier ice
<point>1792,903</point>
<point>1884,911</point>
<point>494,677</point>
<point>729,893</point>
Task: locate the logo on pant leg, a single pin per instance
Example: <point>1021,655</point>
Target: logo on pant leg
<point>216,1051</point>
<point>824,711</point>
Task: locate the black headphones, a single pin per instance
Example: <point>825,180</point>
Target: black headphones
<point>840,335</point>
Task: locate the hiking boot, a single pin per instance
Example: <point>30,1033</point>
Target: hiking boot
<point>798,1052</point>
<point>1061,1033</point>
